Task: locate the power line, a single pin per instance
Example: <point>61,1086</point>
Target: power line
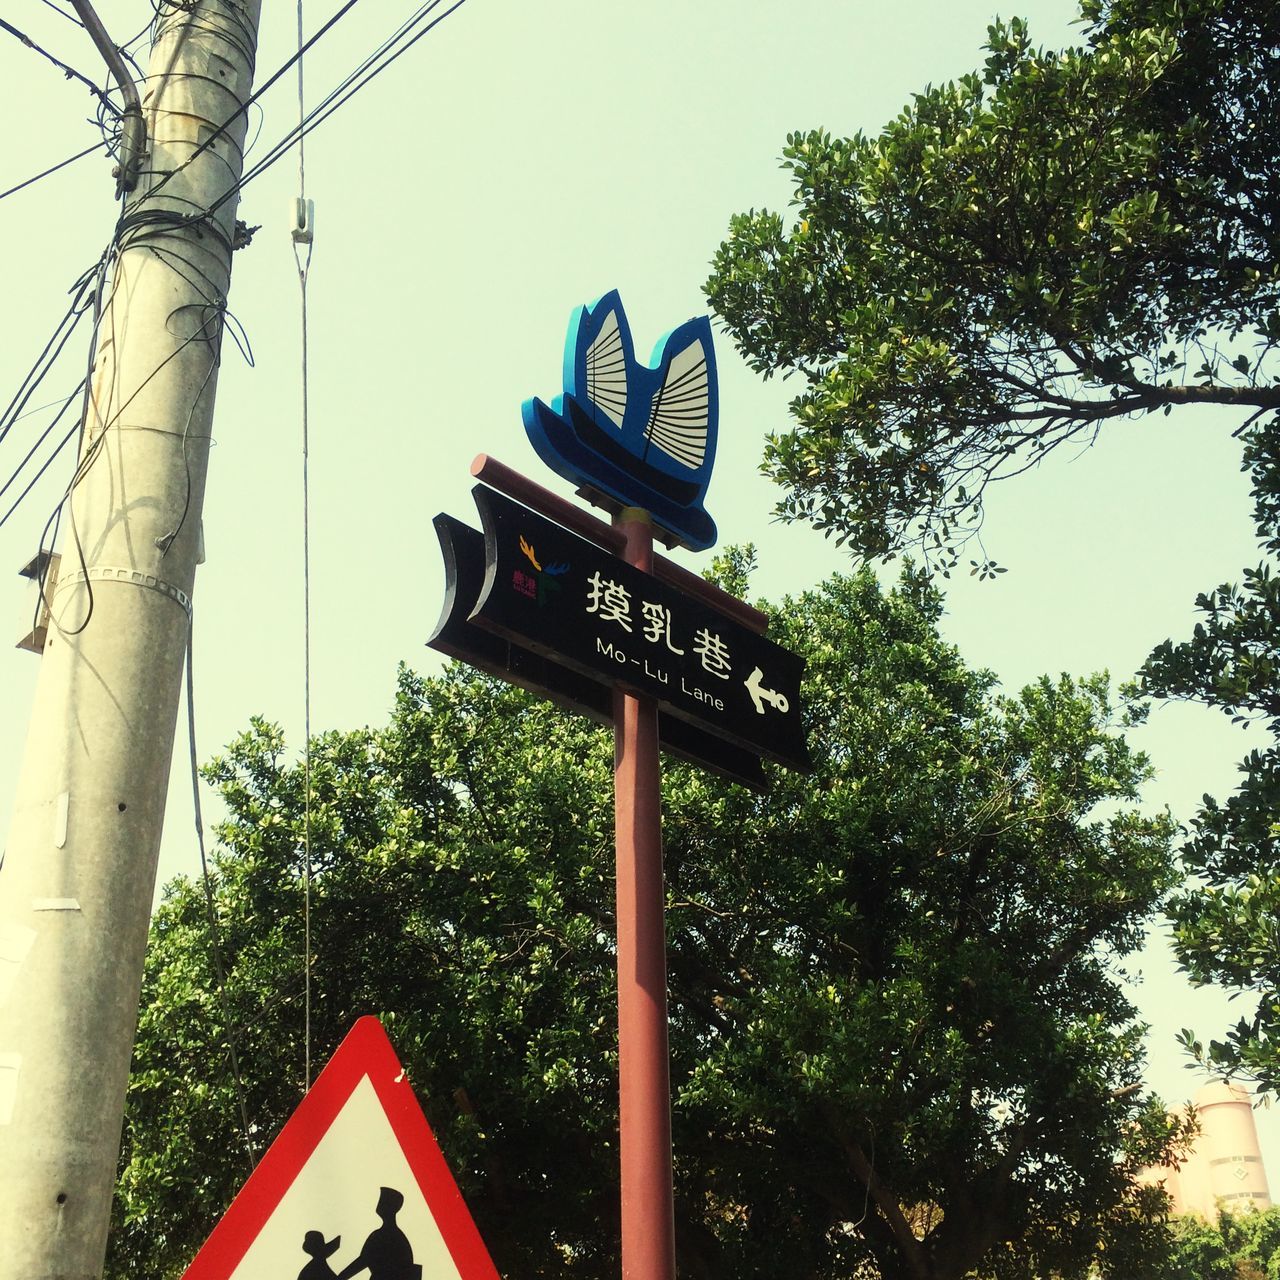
<point>394,46</point>
<point>215,945</point>
<point>305,234</point>
<point>368,70</point>
<point>44,435</point>
<point>57,8</point>
<point>52,348</point>
<point>252,99</point>
<point>79,155</point>
<point>49,461</point>
<point>70,72</point>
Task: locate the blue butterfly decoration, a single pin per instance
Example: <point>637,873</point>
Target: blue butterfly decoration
<point>635,435</point>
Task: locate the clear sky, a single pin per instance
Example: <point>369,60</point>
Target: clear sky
<point>521,159</point>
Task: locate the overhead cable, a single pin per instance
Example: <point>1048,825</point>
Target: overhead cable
<point>303,233</point>
<point>215,945</point>
<point>79,155</point>
<point>51,350</point>
<point>62,444</point>
<point>70,72</point>
<point>368,70</point>
<point>220,131</point>
<point>57,8</point>
<point>44,435</point>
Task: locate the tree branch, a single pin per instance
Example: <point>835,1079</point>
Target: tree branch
<point>912,1250</point>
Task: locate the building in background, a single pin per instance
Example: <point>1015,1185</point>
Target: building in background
<point>1224,1169</point>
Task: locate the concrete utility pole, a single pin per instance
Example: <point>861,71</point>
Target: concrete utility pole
<point>79,867</point>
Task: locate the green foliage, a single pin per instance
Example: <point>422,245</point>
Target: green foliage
<point>898,1038</point>
<point>1225,924</point>
<point>1058,240</point>
<point>1243,1247</point>
<point>732,568</point>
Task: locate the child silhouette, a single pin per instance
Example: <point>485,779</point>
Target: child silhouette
<point>318,1268</point>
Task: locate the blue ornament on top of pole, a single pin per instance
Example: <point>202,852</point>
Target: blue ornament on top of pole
<point>631,434</point>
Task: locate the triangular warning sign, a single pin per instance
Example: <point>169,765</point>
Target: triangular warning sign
<point>354,1185</point>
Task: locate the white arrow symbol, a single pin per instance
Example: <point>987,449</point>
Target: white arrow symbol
<point>760,695</point>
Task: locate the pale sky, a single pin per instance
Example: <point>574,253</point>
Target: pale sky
<point>521,159</point>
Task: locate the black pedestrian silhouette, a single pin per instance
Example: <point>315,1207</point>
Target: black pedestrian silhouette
<point>387,1253</point>
<point>318,1268</point>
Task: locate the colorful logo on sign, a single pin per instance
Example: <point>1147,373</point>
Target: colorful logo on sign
<point>540,584</point>
<point>633,434</point>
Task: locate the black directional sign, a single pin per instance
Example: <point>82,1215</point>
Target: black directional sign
<point>464,558</point>
<point>552,592</point>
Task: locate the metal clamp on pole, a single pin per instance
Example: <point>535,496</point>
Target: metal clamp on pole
<point>133,128</point>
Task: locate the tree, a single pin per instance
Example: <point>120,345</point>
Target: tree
<point>1236,1247</point>
<point>1016,259</point>
<point>1225,928</point>
<point>899,1042</point>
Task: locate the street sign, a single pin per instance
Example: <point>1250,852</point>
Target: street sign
<point>354,1184</point>
<point>552,592</point>
<point>464,560</point>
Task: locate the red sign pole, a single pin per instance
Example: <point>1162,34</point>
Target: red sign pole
<point>644,1084</point>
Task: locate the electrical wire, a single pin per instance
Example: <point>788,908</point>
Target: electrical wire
<point>70,72</point>
<point>44,361</point>
<point>86,462</point>
<point>57,8</point>
<point>62,164</point>
<point>39,408</point>
<point>66,440</point>
<point>44,435</point>
<point>369,70</point>
<point>215,944</point>
<point>165,541</point>
<point>303,262</point>
<point>388,52</point>
<point>216,316</point>
<point>96,275</point>
<point>90,457</point>
<point>252,99</point>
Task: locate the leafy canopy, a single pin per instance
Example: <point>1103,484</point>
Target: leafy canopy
<point>1225,922</point>
<point>898,1039</point>
<point>1061,239</point>
<point>1236,1247</point>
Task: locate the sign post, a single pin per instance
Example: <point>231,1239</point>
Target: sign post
<point>591,616</point>
<point>644,1057</point>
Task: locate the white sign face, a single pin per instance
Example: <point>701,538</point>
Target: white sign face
<point>336,1195</point>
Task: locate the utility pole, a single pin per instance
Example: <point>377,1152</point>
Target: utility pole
<point>79,867</point>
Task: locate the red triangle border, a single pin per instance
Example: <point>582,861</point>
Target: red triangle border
<point>366,1051</point>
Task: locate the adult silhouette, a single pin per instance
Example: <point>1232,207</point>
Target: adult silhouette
<point>387,1253</point>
